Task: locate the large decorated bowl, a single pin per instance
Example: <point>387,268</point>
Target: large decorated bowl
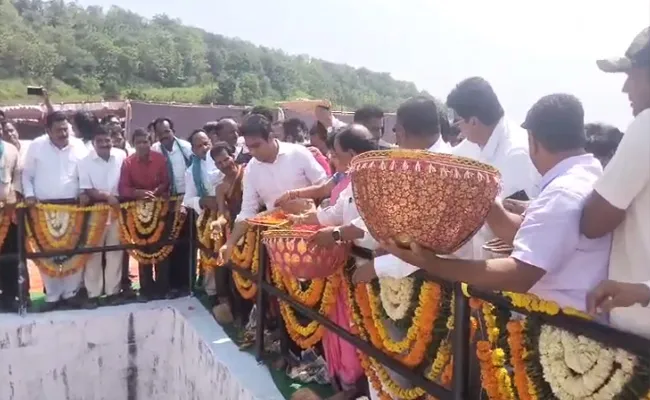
<point>291,250</point>
<point>436,200</point>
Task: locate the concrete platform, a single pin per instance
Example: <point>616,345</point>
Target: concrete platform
<point>163,350</point>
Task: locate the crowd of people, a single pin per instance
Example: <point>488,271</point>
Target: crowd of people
<point>573,201</point>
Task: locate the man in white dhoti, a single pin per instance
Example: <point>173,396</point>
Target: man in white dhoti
<point>51,172</point>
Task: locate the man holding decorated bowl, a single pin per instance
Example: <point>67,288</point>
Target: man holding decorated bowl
<point>417,128</point>
<point>550,254</point>
<point>276,168</point>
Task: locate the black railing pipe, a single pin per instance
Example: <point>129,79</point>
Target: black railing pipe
<point>418,380</point>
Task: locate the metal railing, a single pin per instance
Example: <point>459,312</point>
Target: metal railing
<point>465,383</point>
<point>22,255</point>
<point>466,378</point>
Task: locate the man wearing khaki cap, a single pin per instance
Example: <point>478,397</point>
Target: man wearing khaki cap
<point>620,202</point>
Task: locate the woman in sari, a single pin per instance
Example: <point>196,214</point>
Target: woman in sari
<point>342,360</point>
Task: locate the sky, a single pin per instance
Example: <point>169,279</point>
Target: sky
<point>526,49</point>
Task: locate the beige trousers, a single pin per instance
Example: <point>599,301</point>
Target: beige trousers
<point>61,288</point>
<point>95,277</point>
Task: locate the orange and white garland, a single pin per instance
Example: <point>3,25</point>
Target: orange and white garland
<point>319,293</point>
<point>210,239</point>
<point>246,255</point>
<point>54,227</point>
<point>147,222</point>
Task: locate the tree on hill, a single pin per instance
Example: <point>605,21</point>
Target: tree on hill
<point>113,51</point>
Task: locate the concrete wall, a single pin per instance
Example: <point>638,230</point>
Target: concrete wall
<point>163,350</point>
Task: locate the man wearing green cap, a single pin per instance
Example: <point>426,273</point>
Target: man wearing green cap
<point>620,202</point>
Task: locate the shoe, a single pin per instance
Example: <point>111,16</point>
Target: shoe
<point>144,298</point>
<point>128,294</point>
<point>114,300</point>
<point>75,302</point>
<point>91,304</point>
<point>49,306</point>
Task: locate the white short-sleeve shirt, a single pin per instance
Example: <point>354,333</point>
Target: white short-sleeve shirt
<point>625,184</point>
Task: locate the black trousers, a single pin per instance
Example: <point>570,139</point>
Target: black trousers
<point>159,286</point>
<point>126,279</point>
<point>180,273</point>
<point>9,267</point>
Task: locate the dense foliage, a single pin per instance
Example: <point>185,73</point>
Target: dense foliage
<point>119,53</point>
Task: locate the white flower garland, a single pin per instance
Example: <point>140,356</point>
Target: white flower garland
<point>57,222</point>
<point>576,367</point>
<point>144,211</point>
<point>395,295</point>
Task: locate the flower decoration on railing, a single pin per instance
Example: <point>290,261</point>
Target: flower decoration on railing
<point>210,236</point>
<point>58,227</point>
<point>246,255</point>
<point>5,223</point>
<point>526,358</point>
<point>319,294</point>
<point>148,222</point>
<point>410,320</point>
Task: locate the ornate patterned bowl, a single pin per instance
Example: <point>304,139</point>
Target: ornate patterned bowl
<point>292,251</point>
<point>436,200</point>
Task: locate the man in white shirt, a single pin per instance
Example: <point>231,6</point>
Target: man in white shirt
<point>418,128</point>
<point>200,187</point>
<point>99,175</point>
<point>51,172</point>
<point>201,179</point>
<point>276,168</point>
<point>493,139</point>
<point>178,153</point>
<point>620,202</point>
<point>551,258</point>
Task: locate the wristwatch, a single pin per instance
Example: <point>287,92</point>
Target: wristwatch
<point>336,234</point>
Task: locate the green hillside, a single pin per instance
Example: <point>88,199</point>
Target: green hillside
<point>88,53</point>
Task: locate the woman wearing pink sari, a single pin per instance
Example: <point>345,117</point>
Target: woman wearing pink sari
<point>342,359</point>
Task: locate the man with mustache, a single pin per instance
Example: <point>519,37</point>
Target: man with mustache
<point>51,172</point>
<point>178,155</point>
<point>144,175</point>
<point>99,176</point>
<point>620,202</point>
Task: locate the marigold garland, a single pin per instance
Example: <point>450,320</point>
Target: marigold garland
<point>432,358</point>
<point>52,227</point>
<point>518,357</point>
<point>308,335</point>
<point>209,241</point>
<point>5,223</point>
<point>550,363</point>
<point>246,255</point>
<point>147,222</point>
<point>495,378</point>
